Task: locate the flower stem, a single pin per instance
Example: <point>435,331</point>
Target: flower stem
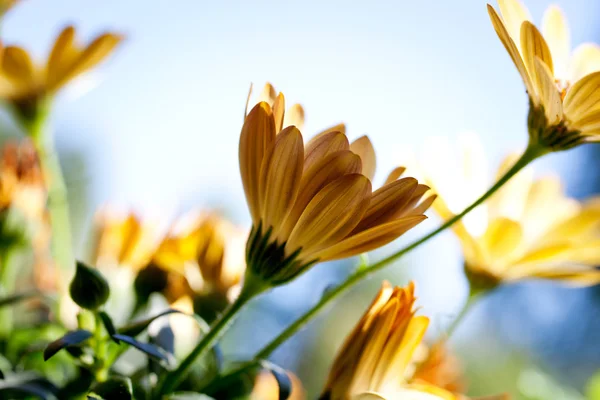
<point>531,153</point>
<point>58,205</point>
<point>471,300</point>
<point>101,373</point>
<point>252,287</point>
<point>8,272</point>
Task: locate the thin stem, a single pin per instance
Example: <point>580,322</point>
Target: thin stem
<point>8,272</point>
<point>100,347</point>
<point>531,153</point>
<point>251,289</point>
<point>471,300</point>
<point>58,205</point>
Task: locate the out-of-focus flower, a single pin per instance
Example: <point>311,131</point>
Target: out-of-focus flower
<point>562,87</point>
<point>266,387</point>
<point>124,240</point>
<point>528,229</point>
<point>314,203</point>
<point>292,116</point>
<point>375,360</point>
<point>6,5</point>
<point>438,366</point>
<point>26,85</point>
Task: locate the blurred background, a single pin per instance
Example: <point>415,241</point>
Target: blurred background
<point>159,133</point>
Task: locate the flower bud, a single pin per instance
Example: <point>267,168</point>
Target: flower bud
<point>88,288</point>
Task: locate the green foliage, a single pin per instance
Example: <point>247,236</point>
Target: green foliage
<point>88,288</point>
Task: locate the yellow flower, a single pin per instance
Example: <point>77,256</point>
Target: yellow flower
<point>565,105</point>
<point>26,86</point>
<point>314,203</point>
<point>294,115</point>
<point>528,229</point>
<point>438,366</point>
<point>267,388</point>
<point>124,240</point>
<point>375,360</point>
<point>209,251</point>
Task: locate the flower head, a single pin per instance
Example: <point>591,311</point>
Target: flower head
<point>314,203</point>
<point>375,361</point>
<point>528,229</point>
<point>565,105</point>
<point>26,85</point>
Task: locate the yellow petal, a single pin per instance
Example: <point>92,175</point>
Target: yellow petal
<point>514,13</point>
<point>589,124</point>
<point>395,174</point>
<point>513,52</point>
<point>322,145</point>
<point>92,55</point>
<point>548,92</point>
<point>364,148</point>
<point>279,112</point>
<point>336,128</point>
<point>370,239</point>
<point>583,98</point>
<point>325,171</point>
<point>580,226</point>
<point>268,94</point>
<point>248,101</point>
<point>502,238</point>
<point>571,275</point>
<point>17,66</point>
<point>423,206</point>
<point>258,133</point>
<point>556,32</point>
<point>280,177</point>
<point>331,214</point>
<point>62,55</point>
<point>533,45</point>
<point>584,61</point>
<point>387,203</point>
<point>368,396</point>
<point>294,116</point>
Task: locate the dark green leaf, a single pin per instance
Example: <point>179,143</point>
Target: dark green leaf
<point>27,384</point>
<point>78,385</point>
<point>108,324</point>
<point>70,339</point>
<point>147,348</point>
<point>15,298</point>
<point>138,327</point>
<point>116,388</point>
<point>88,289</point>
<point>188,396</point>
<point>283,379</point>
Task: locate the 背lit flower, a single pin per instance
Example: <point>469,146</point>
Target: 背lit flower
<point>562,86</point>
<point>294,115</point>
<point>314,203</point>
<point>438,366</point>
<point>528,229</point>
<point>26,85</point>
<point>267,388</point>
<point>376,360</point>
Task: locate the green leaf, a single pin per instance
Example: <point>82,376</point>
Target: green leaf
<point>28,384</point>
<point>138,327</point>
<point>15,298</point>
<point>70,339</point>
<point>147,348</point>
<point>283,379</point>
<point>108,324</point>
<point>116,388</point>
<point>592,388</point>
<point>188,396</point>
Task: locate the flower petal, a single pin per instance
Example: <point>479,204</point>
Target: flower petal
<point>268,94</point>
<point>17,66</point>
<point>584,61</point>
<point>387,203</point>
<point>556,32</point>
<point>370,239</point>
<point>395,174</point>
<point>279,112</point>
<point>331,214</point>
<point>513,52</point>
<point>364,148</point>
<point>280,177</point>
<point>514,13</point>
<point>502,237</point>
<point>62,55</point>
<point>534,46</point>
<point>583,98</point>
<point>336,128</point>
<point>294,116</point>
<point>322,145</point>
<point>325,171</point>
<point>258,133</point>
<point>548,92</point>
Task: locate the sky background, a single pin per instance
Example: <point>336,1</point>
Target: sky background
<point>160,131</point>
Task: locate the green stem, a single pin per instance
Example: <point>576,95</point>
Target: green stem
<point>252,287</point>
<point>58,205</point>
<point>531,153</point>
<point>8,274</point>
<point>471,300</point>
<point>100,349</point>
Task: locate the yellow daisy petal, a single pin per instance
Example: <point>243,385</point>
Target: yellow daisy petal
<point>548,92</point>
<point>584,61</point>
<point>280,176</point>
<point>279,111</point>
<point>258,133</point>
<point>514,13</point>
<point>336,128</point>
<point>323,145</point>
<point>364,148</point>
<point>294,116</point>
<point>395,174</point>
<point>17,66</point>
<point>62,56</point>
<point>556,32</point>
<point>583,98</point>
<point>502,237</point>
<point>533,45</point>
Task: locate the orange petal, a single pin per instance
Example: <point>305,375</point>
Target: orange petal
<point>258,133</point>
<point>322,145</point>
<point>331,214</point>
<point>280,177</point>
<point>17,66</point>
<point>62,55</point>
<point>364,148</point>
<point>294,116</point>
<point>279,112</point>
<point>395,174</point>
